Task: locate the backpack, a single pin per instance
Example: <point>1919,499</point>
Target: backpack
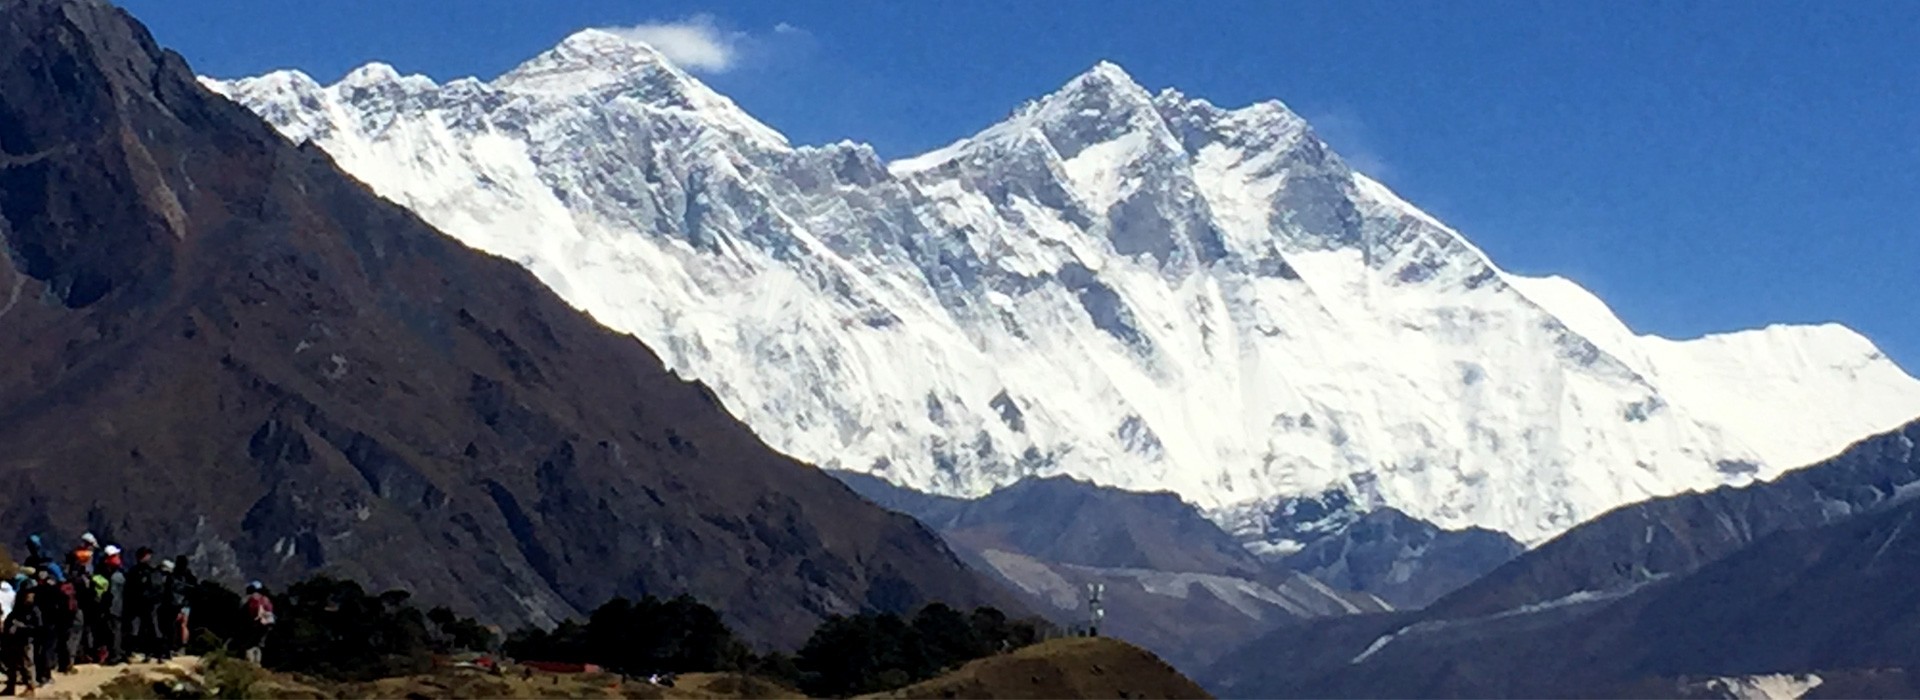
<point>72,596</point>
<point>261,608</point>
<point>147,581</point>
<point>175,592</point>
<point>83,590</point>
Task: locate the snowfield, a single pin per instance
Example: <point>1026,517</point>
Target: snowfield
<point>1139,289</point>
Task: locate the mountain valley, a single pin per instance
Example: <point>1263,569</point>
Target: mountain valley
<point>582,370</point>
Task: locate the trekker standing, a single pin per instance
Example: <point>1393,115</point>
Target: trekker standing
<point>183,584</point>
<point>97,630</point>
<point>80,563</point>
<point>37,558</point>
<point>80,578</point>
<point>16,643</point>
<point>46,599</point>
<point>92,545</point>
<point>259,611</point>
<point>168,604</point>
<point>114,603</point>
<point>93,558</point>
<point>144,584</point>
<point>66,622</point>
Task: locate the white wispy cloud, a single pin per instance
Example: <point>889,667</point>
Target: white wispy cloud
<point>1350,136</point>
<point>697,43</point>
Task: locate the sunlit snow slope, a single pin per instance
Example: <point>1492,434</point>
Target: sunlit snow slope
<point>1143,290</point>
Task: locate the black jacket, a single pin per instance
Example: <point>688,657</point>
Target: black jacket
<point>24,622</point>
<point>173,591</point>
<point>52,604</point>
<point>83,585</point>
<point>144,586</point>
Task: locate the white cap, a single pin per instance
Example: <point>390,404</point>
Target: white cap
<point>113,549</point>
<point>90,539</point>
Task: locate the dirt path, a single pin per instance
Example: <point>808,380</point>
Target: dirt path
<point>88,678</point>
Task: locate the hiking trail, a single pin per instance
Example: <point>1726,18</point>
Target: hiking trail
<point>89,678</point>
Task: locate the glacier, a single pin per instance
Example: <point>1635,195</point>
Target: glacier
<point>1136,288</point>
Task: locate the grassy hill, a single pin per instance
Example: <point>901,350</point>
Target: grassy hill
<point>1060,668</point>
<point>222,676</point>
<point>1078,667</point>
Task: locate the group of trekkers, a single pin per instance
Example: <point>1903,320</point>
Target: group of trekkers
<point>96,607</point>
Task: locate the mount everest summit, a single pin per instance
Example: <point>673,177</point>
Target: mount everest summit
<point>1140,289</point>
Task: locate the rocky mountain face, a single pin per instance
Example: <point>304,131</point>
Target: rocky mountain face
<point>1404,562</point>
<point>1174,581</point>
<point>1803,582</point>
<point>1074,522</point>
<point>1407,562</point>
<point>1140,289</point>
<point>218,343</point>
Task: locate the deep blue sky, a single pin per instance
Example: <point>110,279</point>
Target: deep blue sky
<point>1702,166</point>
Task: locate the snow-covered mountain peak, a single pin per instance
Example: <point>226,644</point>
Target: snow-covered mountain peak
<point>1099,106</point>
<point>602,45</point>
<point>378,75</point>
<point>598,65</point>
<point>1105,87</point>
<point>1107,73</point>
<point>296,104</point>
<point>1264,128</point>
<point>1174,101</point>
<point>1146,291</point>
<point>285,81</point>
<point>1103,105</point>
<point>591,60</point>
<point>581,77</point>
<point>1099,151</point>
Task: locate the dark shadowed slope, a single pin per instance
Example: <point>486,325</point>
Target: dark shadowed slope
<point>1835,602</point>
<point>1812,574</point>
<point>1676,535</point>
<point>213,340</point>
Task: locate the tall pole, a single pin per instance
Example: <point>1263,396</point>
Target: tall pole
<point>1095,610</point>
